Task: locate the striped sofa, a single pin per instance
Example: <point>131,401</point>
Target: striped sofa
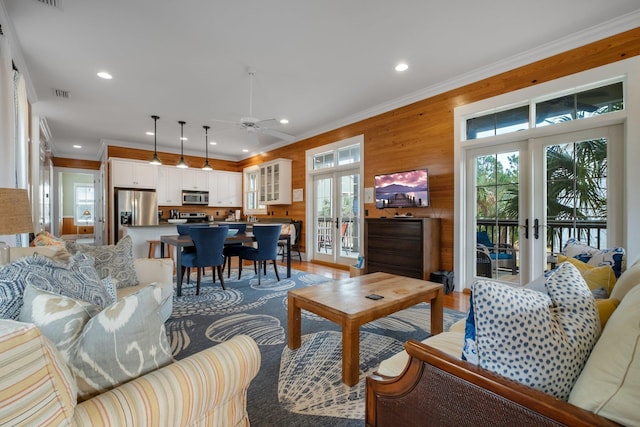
<point>205,389</point>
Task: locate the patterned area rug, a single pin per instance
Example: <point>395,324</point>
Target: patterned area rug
<point>294,387</point>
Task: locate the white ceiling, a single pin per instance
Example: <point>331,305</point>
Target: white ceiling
<point>320,64</point>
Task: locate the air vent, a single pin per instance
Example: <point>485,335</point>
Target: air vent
<point>52,3</point>
<point>59,93</point>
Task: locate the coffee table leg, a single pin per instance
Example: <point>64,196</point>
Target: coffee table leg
<point>294,319</point>
<point>437,313</point>
<point>350,354</point>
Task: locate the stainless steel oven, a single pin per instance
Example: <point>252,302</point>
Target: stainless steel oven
<point>195,197</point>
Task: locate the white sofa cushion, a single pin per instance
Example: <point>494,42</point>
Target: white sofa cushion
<point>449,342</point>
<point>609,384</point>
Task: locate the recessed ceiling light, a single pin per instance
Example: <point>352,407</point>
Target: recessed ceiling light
<point>284,121</point>
<point>245,150</point>
<point>104,75</point>
<point>184,138</point>
<point>77,146</point>
<point>402,67</point>
<point>149,133</point>
<point>213,143</point>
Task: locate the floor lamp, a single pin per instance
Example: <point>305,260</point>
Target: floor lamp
<point>15,217</point>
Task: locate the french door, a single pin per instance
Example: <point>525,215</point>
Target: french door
<point>530,197</point>
<point>337,216</point>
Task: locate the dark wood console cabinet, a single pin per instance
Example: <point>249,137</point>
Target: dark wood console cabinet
<point>405,246</point>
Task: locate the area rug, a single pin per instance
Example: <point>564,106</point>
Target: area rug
<point>294,387</point>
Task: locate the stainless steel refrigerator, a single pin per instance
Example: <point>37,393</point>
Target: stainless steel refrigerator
<point>134,208</point>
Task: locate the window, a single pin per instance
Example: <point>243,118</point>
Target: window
<point>574,106</point>
<point>251,192</point>
<point>83,204</point>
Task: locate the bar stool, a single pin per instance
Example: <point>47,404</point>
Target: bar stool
<point>153,244</point>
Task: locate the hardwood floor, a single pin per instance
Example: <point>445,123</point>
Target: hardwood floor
<point>455,300</point>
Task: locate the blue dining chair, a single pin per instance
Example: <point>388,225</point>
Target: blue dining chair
<point>209,244</point>
<point>233,249</point>
<point>183,230</point>
<point>267,238</point>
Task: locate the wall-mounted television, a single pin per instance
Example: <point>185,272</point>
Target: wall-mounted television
<point>408,189</point>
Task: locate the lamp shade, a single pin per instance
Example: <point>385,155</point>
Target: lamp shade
<point>15,211</point>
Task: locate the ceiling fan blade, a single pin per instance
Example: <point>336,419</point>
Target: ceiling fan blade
<point>267,123</point>
<point>283,136</point>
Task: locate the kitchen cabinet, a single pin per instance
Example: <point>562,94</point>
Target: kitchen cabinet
<point>225,189</point>
<point>275,182</point>
<point>132,174</point>
<point>404,246</point>
<point>169,186</point>
<point>195,179</point>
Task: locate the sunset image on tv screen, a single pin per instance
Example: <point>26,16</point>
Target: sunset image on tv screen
<point>408,189</point>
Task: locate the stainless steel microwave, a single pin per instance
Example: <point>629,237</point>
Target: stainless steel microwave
<point>195,197</point>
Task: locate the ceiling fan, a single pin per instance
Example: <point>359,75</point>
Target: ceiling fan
<point>252,125</point>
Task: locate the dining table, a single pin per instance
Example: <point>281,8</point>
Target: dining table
<point>184,241</point>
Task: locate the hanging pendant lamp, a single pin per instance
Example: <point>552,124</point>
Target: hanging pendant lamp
<point>206,165</point>
<point>182,164</point>
<point>155,160</point>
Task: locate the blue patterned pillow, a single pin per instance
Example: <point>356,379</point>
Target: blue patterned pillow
<point>540,340</point>
<point>469,349</point>
<point>12,284</point>
<point>613,257</point>
<point>78,279</point>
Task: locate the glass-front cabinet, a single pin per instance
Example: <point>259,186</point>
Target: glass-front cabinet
<point>275,182</point>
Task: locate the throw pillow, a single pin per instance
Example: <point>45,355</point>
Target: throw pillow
<point>469,349</point>
<point>122,342</point>
<point>596,257</point>
<point>12,284</point>
<point>59,318</point>
<point>539,340</point>
<point>606,307</point>
<point>44,238</point>
<point>36,387</point>
<point>595,276</point>
<point>78,279</point>
<point>112,260</point>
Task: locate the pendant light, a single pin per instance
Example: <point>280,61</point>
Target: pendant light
<point>182,164</point>
<point>155,160</point>
<point>206,165</point>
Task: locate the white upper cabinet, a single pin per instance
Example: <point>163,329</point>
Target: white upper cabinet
<point>169,186</point>
<point>275,182</point>
<point>132,174</point>
<point>225,189</point>
<point>195,179</point>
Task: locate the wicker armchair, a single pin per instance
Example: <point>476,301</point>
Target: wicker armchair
<point>437,389</point>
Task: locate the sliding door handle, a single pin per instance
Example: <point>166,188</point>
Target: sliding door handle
<point>536,229</point>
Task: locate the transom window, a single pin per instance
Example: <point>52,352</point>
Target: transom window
<point>558,109</point>
<point>345,155</point>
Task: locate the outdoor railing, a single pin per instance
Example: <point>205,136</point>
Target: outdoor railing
<point>349,240</point>
<point>592,233</point>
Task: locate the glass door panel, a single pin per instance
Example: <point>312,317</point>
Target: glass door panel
<point>497,185</point>
<point>324,215</point>
<point>349,219</point>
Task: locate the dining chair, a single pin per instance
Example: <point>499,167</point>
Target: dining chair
<point>209,245</point>
<point>233,249</point>
<point>267,237</point>
<point>296,228</point>
<point>183,230</point>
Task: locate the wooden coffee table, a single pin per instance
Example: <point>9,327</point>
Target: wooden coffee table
<point>344,302</point>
